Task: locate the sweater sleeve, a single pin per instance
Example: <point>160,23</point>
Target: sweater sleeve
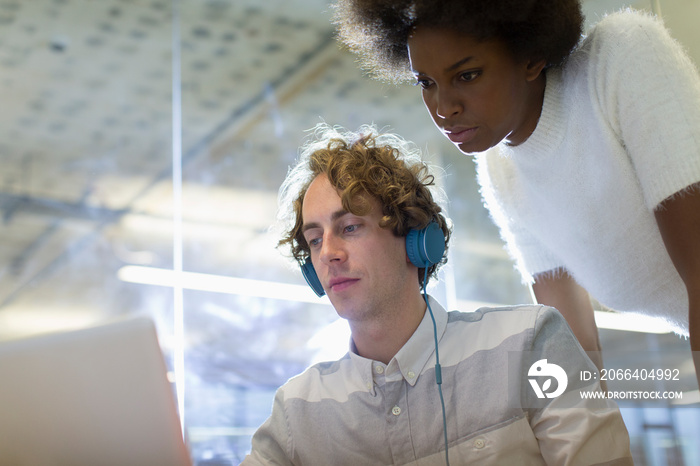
<point>650,90</point>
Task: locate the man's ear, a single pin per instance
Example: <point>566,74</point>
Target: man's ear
<point>534,69</point>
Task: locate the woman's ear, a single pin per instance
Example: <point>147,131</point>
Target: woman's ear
<point>534,69</point>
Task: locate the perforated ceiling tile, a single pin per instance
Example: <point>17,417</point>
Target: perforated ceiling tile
<point>92,80</point>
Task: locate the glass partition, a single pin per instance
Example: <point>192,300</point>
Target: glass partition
<point>99,217</point>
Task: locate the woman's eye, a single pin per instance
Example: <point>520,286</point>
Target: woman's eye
<point>314,241</point>
<point>470,75</point>
<point>423,83</point>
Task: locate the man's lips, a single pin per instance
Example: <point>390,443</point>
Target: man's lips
<point>342,283</point>
<point>460,134</point>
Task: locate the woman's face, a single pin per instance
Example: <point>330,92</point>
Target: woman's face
<point>477,93</point>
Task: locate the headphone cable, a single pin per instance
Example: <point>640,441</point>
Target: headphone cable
<point>438,369</point>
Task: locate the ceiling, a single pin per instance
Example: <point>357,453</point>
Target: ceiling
<point>90,103</point>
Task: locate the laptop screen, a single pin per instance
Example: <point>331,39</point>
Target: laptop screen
<point>96,396</point>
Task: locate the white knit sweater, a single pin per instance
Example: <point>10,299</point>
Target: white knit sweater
<point>619,133</point>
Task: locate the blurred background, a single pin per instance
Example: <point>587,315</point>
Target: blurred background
<point>142,143</point>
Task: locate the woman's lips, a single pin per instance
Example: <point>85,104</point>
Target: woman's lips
<point>461,135</point>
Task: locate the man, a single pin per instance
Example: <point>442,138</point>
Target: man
<point>361,220</point>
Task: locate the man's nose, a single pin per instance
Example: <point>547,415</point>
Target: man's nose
<point>332,249</point>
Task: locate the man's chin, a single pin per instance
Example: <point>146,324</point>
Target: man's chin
<point>346,308</point>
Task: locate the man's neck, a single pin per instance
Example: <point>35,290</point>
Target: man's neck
<point>381,338</point>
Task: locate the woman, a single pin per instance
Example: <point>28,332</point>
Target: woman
<point>587,150</point>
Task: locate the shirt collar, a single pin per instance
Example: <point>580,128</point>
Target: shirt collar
<point>415,354</point>
<point>410,361</point>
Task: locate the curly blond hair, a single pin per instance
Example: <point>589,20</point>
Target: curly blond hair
<point>366,162</point>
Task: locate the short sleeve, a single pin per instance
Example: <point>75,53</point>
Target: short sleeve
<point>650,90</point>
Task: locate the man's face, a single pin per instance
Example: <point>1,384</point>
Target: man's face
<point>361,266</point>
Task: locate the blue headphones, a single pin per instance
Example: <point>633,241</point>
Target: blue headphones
<point>424,248</point>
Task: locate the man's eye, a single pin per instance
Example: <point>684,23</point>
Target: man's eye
<point>351,228</point>
<point>314,241</point>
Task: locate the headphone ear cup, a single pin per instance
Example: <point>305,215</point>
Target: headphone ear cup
<point>307,269</point>
<point>425,247</point>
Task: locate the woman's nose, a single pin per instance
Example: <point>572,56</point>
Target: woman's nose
<point>447,103</point>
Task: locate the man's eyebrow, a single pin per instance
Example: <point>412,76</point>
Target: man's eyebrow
<point>334,216</point>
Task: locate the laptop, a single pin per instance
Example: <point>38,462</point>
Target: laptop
<point>92,397</point>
